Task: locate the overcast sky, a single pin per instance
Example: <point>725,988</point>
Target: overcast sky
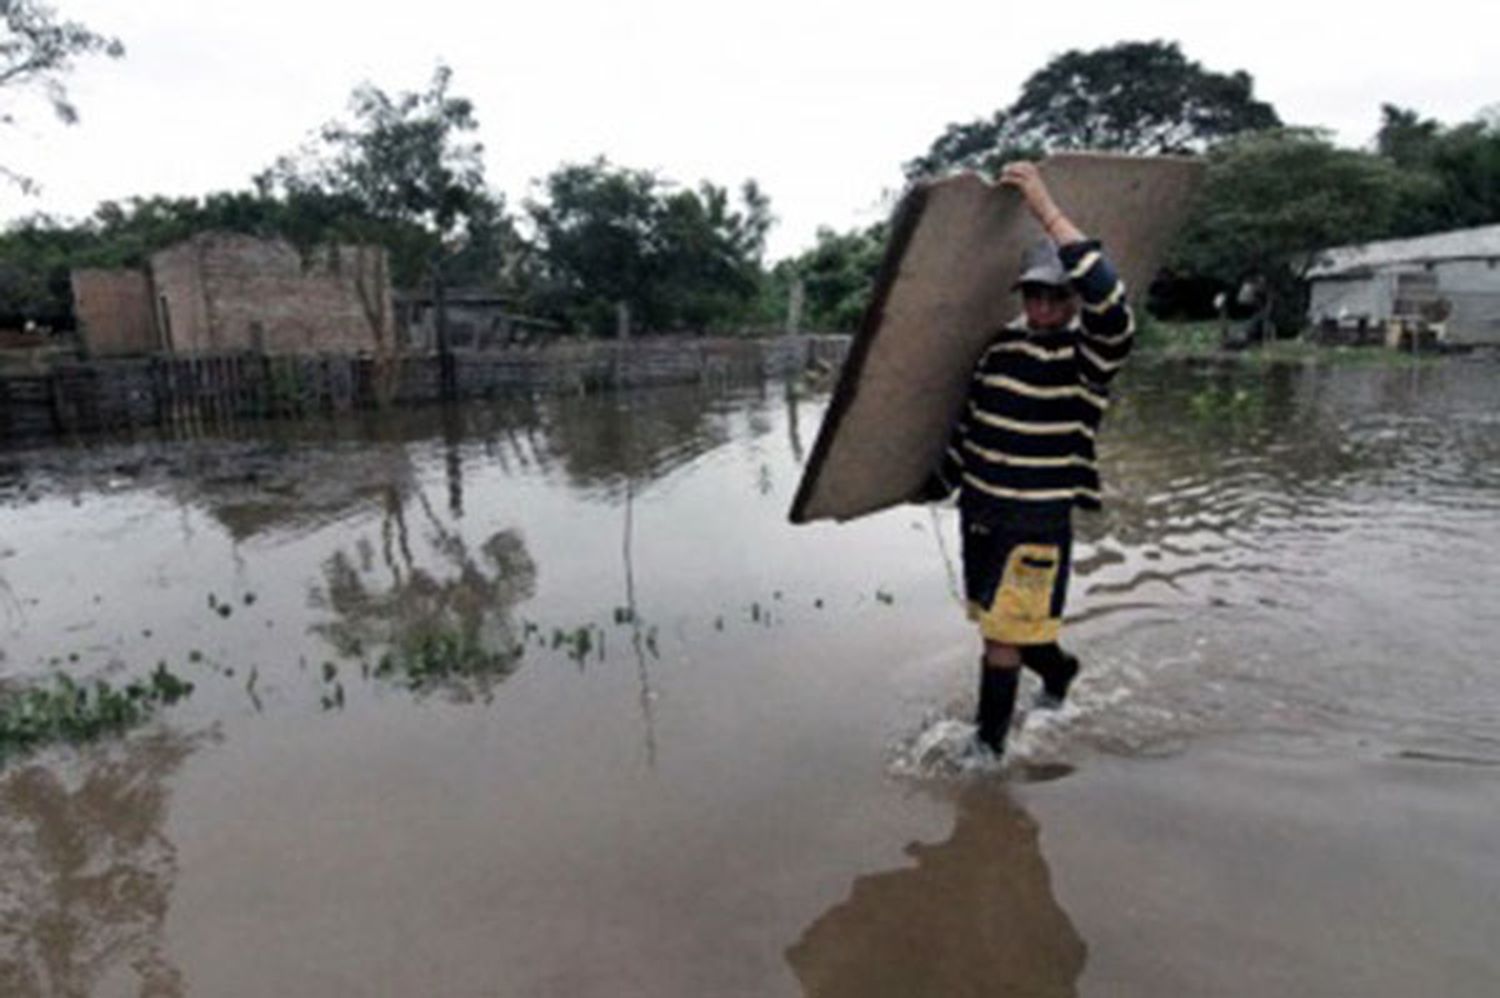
<point>820,102</point>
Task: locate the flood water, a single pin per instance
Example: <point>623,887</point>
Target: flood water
<point>548,698</point>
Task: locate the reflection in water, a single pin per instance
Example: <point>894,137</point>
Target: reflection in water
<point>453,465</point>
<point>450,626</point>
<point>254,489</point>
<point>975,916</point>
<point>86,873</point>
<point>637,634</point>
<point>793,426</point>
<point>603,441</point>
<point>1295,553</point>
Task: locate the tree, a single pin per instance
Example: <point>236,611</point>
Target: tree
<point>837,276</point>
<point>678,258</point>
<point>1466,162</point>
<point>1456,170</point>
<point>402,173</point>
<point>708,254</point>
<point>1270,201</point>
<point>1136,97</point>
<point>983,145</point>
<point>593,242</point>
<point>1405,137</point>
<point>36,51</point>
<point>37,254</point>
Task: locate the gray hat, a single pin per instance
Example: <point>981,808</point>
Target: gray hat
<point>1040,264</point>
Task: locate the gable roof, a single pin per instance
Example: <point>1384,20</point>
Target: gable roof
<point>1479,243</point>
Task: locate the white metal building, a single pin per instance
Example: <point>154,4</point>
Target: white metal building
<point>1458,272</point>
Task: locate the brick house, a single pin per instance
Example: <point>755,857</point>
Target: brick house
<point>225,292</point>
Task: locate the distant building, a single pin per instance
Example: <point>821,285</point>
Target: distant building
<point>1451,279</point>
<point>477,320</point>
<point>113,309</point>
<point>222,292</point>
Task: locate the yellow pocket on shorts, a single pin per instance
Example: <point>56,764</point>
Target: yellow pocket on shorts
<point>1023,604</point>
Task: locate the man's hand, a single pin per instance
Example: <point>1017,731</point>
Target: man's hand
<point>1026,179</point>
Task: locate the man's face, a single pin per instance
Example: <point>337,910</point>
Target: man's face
<point>1047,307</point>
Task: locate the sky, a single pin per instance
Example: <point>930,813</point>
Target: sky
<point>819,102</point>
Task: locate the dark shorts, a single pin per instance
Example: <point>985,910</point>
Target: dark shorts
<point>1016,580</point>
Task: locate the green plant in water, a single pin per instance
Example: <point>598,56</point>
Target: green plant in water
<point>69,711</point>
<point>425,658</point>
<point>1214,404</point>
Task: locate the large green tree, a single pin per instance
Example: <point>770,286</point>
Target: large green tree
<point>1272,199</point>
<point>37,50</point>
<point>406,173</point>
<point>677,258</point>
<point>1136,97</point>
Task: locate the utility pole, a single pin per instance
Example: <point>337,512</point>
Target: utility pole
<point>794,307</point>
<point>622,320</point>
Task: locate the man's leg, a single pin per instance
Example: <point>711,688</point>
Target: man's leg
<point>1057,670</point>
<point>999,675</point>
<point>1014,584</point>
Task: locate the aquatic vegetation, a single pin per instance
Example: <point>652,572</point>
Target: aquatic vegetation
<point>1222,403</point>
<point>447,625</point>
<point>69,711</point>
<point>424,659</point>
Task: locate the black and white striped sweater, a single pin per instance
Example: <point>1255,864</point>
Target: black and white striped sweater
<point>1024,444</point>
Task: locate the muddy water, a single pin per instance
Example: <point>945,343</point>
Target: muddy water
<point>547,699</point>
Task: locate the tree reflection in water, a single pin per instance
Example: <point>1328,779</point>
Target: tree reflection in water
<point>86,873</point>
<point>608,442</point>
<point>449,626</point>
<point>975,916</point>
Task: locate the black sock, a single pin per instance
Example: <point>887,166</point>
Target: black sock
<point>997,702</point>
<point>1056,667</point>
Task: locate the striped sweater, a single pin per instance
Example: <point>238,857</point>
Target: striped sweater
<point>1023,447</point>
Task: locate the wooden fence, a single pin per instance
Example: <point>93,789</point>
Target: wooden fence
<point>197,392</point>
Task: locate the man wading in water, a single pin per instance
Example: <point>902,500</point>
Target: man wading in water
<point>1022,453</point>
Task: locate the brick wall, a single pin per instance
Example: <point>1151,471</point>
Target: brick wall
<point>181,307</point>
<point>114,311</point>
<point>229,292</point>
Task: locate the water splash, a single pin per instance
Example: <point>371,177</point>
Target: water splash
<point>945,747</point>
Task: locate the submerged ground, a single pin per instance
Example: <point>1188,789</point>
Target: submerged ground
<point>549,699</point>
